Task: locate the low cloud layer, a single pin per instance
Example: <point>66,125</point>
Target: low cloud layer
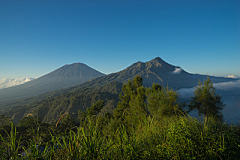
<point>229,87</point>
<point>232,76</point>
<point>177,71</point>
<point>230,92</point>
<point>10,82</point>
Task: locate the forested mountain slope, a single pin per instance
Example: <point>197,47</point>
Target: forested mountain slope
<point>50,109</point>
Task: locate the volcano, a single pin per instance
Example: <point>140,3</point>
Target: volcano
<point>157,71</point>
<point>64,77</point>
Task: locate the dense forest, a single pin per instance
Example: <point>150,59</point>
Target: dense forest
<point>145,123</point>
<point>52,107</point>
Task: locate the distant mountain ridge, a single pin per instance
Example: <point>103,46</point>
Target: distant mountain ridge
<point>157,71</point>
<point>78,76</point>
<point>107,88</point>
<point>64,77</point>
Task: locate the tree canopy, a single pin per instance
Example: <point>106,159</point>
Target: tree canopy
<point>207,101</point>
<point>163,102</point>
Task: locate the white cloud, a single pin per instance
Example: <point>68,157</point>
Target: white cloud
<point>232,76</point>
<point>230,92</point>
<point>227,85</point>
<point>177,71</point>
<point>186,92</point>
<point>10,82</point>
<point>222,87</point>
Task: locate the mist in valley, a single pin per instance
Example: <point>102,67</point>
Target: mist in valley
<point>230,92</point>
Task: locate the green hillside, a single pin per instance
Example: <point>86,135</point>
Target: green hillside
<point>51,108</point>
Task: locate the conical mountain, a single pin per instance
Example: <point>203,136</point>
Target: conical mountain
<point>64,77</point>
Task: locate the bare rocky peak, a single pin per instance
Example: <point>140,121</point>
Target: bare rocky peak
<point>155,65</point>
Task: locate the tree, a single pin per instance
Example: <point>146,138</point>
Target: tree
<point>206,101</point>
<point>132,105</point>
<point>65,124</point>
<point>163,102</point>
<point>91,113</point>
<point>96,108</point>
<point>30,128</point>
<point>5,124</point>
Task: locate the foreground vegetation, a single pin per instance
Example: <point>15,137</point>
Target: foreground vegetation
<point>148,123</point>
<point>172,138</point>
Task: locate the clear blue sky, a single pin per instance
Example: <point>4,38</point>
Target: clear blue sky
<point>39,36</point>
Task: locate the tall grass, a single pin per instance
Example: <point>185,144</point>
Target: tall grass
<point>85,143</point>
<point>10,145</point>
<point>170,138</point>
<point>189,138</point>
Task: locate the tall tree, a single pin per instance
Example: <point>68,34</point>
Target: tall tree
<point>132,105</point>
<point>206,101</point>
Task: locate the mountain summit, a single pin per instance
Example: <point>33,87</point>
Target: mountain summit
<point>157,71</point>
<point>64,77</point>
<point>159,63</point>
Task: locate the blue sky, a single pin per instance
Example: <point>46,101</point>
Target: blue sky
<point>39,36</point>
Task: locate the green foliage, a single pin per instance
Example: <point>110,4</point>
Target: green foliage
<point>65,125</point>
<point>4,121</point>
<point>136,130</point>
<point>132,106</point>
<point>163,102</point>
<point>168,138</point>
<point>5,125</point>
<point>84,143</point>
<point>91,113</point>
<point>95,109</point>
<point>137,102</point>
<point>206,101</point>
<point>50,107</point>
<point>33,129</point>
<point>10,145</point>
